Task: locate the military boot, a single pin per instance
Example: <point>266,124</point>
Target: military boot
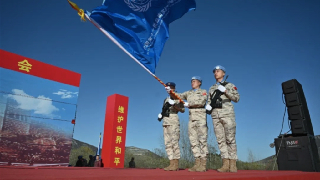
<point>175,166</point>
<point>233,165</point>
<point>196,164</point>
<point>225,166</point>
<point>203,165</point>
<point>167,168</point>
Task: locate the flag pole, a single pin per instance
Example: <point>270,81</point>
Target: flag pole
<point>98,153</point>
<point>82,15</point>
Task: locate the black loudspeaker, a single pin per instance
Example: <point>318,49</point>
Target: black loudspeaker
<point>297,153</point>
<point>294,99</point>
<point>291,86</point>
<point>297,108</point>
<point>296,112</point>
<point>318,143</point>
<point>300,123</point>
<point>301,127</point>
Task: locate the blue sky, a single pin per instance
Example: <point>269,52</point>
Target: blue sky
<point>61,103</point>
<point>260,43</point>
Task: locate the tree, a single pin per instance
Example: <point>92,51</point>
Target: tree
<point>251,157</point>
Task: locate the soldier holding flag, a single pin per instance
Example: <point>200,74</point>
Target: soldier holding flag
<point>197,127</point>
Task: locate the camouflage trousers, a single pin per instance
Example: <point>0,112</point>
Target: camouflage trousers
<point>171,134</point>
<point>225,130</point>
<point>198,134</point>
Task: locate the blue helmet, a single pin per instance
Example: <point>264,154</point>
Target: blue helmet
<point>196,78</point>
<point>219,67</point>
<point>171,84</point>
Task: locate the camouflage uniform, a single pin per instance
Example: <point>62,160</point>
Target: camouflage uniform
<point>224,121</point>
<point>197,128</point>
<point>171,130</point>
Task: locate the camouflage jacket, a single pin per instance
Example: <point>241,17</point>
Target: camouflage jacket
<point>197,101</point>
<point>227,107</point>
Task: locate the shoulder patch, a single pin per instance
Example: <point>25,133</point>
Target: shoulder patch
<point>204,93</point>
<point>235,88</point>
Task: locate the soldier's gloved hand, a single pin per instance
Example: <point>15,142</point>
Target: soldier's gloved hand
<point>160,116</point>
<point>221,88</point>
<point>208,107</point>
<point>171,102</point>
<point>168,89</point>
<point>186,104</point>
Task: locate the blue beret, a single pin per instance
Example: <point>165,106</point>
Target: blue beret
<point>171,84</point>
<point>219,67</point>
<point>197,78</point>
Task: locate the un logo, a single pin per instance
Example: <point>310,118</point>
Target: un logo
<point>139,5</point>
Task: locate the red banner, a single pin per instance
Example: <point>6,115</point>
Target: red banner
<point>36,68</point>
<point>115,126</point>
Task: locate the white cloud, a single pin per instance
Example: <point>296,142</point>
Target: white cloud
<point>66,94</point>
<point>38,105</point>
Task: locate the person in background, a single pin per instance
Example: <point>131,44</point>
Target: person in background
<point>97,162</point>
<point>91,161</point>
<point>132,164</point>
<point>81,162</point>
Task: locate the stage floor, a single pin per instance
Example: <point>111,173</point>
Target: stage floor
<point>79,173</point>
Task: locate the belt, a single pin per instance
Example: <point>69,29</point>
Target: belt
<point>196,107</point>
<point>226,100</point>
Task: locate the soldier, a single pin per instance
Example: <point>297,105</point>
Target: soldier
<point>197,127</point>
<point>171,129</point>
<point>224,119</point>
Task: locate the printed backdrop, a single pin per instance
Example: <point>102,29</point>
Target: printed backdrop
<point>37,105</point>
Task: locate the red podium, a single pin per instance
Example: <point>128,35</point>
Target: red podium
<point>114,136</point>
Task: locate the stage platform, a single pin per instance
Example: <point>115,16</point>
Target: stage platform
<point>81,173</point>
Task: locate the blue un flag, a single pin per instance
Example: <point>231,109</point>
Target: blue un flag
<point>140,27</point>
